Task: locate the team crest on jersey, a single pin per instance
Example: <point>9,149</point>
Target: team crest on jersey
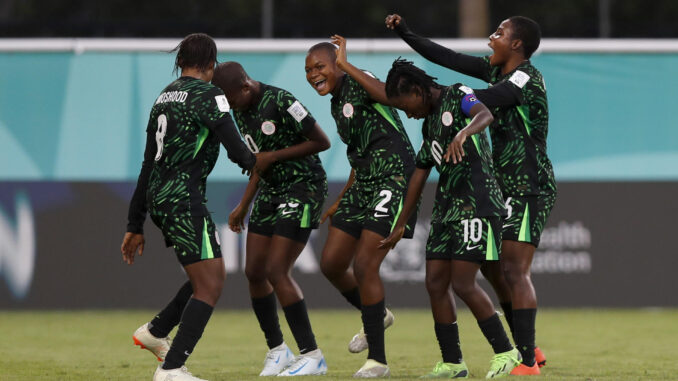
<point>447,118</point>
<point>268,127</point>
<point>348,110</point>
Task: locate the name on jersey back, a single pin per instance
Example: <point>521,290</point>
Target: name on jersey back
<point>172,96</point>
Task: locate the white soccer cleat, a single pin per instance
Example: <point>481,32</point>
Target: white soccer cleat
<point>276,360</point>
<point>359,341</point>
<point>158,346</point>
<point>178,374</point>
<point>373,369</point>
<point>308,364</point>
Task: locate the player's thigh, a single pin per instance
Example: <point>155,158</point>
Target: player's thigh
<point>368,255</point>
<point>284,251</point>
<point>338,252</point>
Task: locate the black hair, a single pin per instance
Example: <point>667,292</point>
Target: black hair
<point>229,76</point>
<point>196,50</point>
<point>404,77</point>
<point>330,48</point>
<point>528,31</point>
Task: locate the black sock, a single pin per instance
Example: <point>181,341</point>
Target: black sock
<point>495,334</point>
<point>163,323</point>
<point>508,314</point>
<point>267,314</point>
<point>353,297</point>
<point>524,333</point>
<point>297,318</point>
<point>448,340</point>
<point>193,322</point>
<point>373,323</point>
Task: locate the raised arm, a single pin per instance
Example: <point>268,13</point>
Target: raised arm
<point>500,95</point>
<point>374,87</point>
<point>462,63</point>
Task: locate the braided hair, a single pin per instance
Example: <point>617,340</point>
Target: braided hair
<point>196,50</point>
<point>405,78</point>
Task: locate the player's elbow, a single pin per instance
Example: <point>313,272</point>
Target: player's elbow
<point>324,144</point>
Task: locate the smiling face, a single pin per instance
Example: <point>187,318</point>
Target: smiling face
<point>322,72</point>
<point>502,44</point>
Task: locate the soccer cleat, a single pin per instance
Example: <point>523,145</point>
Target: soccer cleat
<point>539,357</point>
<point>372,369</point>
<point>503,363</point>
<point>524,370</point>
<point>311,363</point>
<point>448,370</point>
<point>158,346</point>
<point>359,341</point>
<point>276,360</point>
<point>178,374</point>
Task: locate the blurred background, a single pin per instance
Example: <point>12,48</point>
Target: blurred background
<point>78,78</point>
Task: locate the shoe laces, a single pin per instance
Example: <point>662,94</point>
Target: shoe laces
<point>439,367</point>
<point>185,370</point>
<point>500,359</point>
<point>297,362</point>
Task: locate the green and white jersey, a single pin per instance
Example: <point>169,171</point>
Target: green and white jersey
<point>519,134</point>
<point>182,119</point>
<point>467,189</point>
<point>278,120</point>
<point>377,144</point>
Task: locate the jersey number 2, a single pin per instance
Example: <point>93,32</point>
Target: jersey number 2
<point>160,135</point>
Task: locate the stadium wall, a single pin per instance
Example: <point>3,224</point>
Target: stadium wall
<point>72,121</point>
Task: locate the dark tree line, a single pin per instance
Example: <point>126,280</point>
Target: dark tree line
<point>320,18</point>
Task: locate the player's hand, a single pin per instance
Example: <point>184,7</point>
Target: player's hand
<point>341,52</point>
<point>264,160</point>
<point>455,150</point>
<point>329,212</point>
<point>393,239</point>
<point>131,243</point>
<point>236,219</point>
<point>393,20</point>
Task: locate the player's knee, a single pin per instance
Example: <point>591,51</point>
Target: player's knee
<point>436,285</point>
<point>331,268</point>
<point>275,274</point>
<point>463,287</point>
<point>255,274</point>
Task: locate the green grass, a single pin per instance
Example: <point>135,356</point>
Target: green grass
<point>97,345</point>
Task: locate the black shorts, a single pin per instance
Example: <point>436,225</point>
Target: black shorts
<point>374,206</point>
<point>194,238</point>
<point>474,240</point>
<point>526,218</point>
<point>291,215</point>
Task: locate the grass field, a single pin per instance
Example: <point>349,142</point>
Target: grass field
<point>97,345</point>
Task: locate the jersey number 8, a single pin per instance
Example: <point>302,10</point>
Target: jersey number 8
<point>160,135</point>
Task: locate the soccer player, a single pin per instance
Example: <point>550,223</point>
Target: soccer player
<point>517,97</point>
<point>288,206</point>
<point>187,122</point>
<point>467,214</point>
<point>382,160</point>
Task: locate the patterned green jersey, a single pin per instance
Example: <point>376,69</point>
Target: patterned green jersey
<point>377,143</point>
<point>467,189</point>
<point>187,122</point>
<point>276,121</point>
<point>519,134</point>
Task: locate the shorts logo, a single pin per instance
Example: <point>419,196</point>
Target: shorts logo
<point>268,128</point>
<point>348,110</point>
<point>447,118</point>
<point>378,215</point>
<point>286,212</point>
<point>471,247</point>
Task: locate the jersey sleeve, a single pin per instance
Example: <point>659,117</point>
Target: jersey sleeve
<point>424,158</point>
<point>478,67</point>
<point>136,214</point>
<point>294,114</point>
<point>215,115</point>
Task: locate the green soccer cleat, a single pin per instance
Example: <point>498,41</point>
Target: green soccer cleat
<point>503,363</point>
<point>448,370</point>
